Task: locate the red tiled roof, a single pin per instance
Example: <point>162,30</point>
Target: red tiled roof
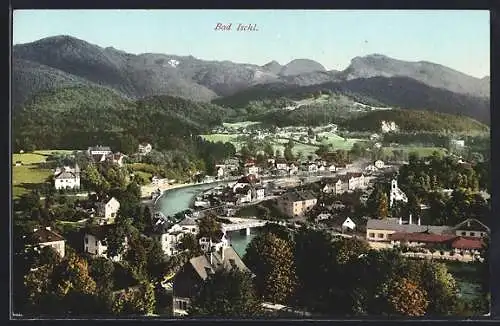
<point>422,237</point>
<point>467,243</point>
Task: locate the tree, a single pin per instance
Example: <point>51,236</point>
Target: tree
<point>128,144</point>
<point>322,150</point>
<point>271,259</point>
<point>101,270</point>
<point>189,242</point>
<point>66,288</point>
<point>48,256</point>
<point>210,228</point>
<point>346,249</point>
<point>377,203</point>
<point>269,149</point>
<point>28,202</point>
<point>137,256</point>
<point>155,259</point>
<point>245,153</point>
<point>440,286</point>
<point>313,271</point>
<point>288,154</point>
<point>406,298</point>
<point>117,235</point>
<point>310,133</point>
<point>135,301</point>
<point>227,294</point>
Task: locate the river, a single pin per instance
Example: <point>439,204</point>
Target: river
<point>179,199</point>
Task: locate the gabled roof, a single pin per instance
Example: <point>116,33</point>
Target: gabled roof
<point>248,179</point>
<point>66,175</point>
<point>188,221</point>
<point>100,148</point>
<point>298,196</point>
<point>202,266</point>
<point>391,224</point>
<point>472,224</point>
<point>99,231</point>
<point>43,235</point>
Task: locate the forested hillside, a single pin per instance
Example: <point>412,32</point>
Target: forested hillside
<point>77,117</point>
<point>397,92</point>
<point>414,121</point>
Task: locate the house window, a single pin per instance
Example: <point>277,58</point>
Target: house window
<point>464,233</point>
<point>371,235</point>
<point>481,234</point>
<point>380,235</point>
<point>181,305</point>
<point>96,243</point>
<point>472,234</point>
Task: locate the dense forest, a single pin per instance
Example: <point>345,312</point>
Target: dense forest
<point>378,91</point>
<point>79,117</point>
<point>415,121</point>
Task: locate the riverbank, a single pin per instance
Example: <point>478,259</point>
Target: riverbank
<point>148,189</point>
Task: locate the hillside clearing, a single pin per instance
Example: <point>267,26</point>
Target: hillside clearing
<point>421,151</point>
<point>27,177</point>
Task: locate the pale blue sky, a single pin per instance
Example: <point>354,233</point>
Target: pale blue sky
<point>458,39</point>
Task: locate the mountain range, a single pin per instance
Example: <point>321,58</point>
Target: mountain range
<point>65,61</point>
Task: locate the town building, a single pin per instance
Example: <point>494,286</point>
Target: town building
<point>95,241</point>
<point>43,237</point>
<point>392,232</point>
<point>457,143</point>
<point>396,194</point>
<point>220,172</point>
<point>188,281</point>
<point>252,170</point>
<point>99,151</point>
<point>248,180</point>
<point>472,228</point>
<point>145,149</point>
<point>296,203</point>
<point>379,164</point>
<point>170,236</point>
<point>371,168</point>
<point>67,178</point>
<point>343,183</point>
<point>107,210</point>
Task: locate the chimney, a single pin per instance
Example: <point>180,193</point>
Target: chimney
<point>211,258</point>
<point>222,252</point>
<point>400,221</point>
<point>410,219</point>
<point>419,221</point>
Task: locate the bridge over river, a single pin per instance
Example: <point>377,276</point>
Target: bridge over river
<point>244,224</point>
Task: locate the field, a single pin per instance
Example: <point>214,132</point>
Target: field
<point>422,151</point>
<point>37,156</point>
<point>30,174</point>
<point>338,142</point>
<point>242,124</point>
<point>27,177</point>
<point>279,144</point>
<point>224,138</point>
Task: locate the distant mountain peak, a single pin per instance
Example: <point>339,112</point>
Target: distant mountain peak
<point>301,66</point>
<point>273,67</point>
<point>429,73</point>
